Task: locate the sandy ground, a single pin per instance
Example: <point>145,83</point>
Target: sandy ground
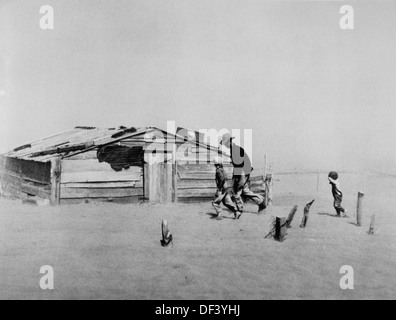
<point>110,251</point>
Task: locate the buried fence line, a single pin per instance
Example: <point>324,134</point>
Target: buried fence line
<point>280,224</point>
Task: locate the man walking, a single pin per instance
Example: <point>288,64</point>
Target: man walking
<point>241,176</point>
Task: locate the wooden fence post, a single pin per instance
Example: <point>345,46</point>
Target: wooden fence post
<point>280,229</point>
<point>371,229</point>
<point>167,237</point>
<point>146,181</point>
<point>174,174</point>
<point>265,166</point>
<point>268,189</point>
<point>268,181</point>
<point>359,209</point>
<point>306,213</point>
<point>291,216</point>
<point>56,167</point>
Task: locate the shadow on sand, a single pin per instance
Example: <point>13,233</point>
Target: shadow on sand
<point>335,216</point>
<point>230,215</point>
<point>213,216</point>
<point>328,214</point>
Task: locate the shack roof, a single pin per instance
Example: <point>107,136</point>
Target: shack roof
<point>82,139</point>
<point>71,141</point>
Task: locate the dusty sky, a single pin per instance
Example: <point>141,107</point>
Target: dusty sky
<point>315,96</point>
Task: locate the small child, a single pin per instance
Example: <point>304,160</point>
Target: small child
<point>222,195</point>
<point>337,194</point>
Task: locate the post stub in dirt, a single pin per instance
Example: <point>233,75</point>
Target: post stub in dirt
<point>306,214</point>
<point>167,238</point>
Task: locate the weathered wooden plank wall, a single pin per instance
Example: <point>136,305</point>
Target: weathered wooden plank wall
<point>56,164</point>
<point>20,178</point>
<point>197,182</point>
<point>38,172</point>
<point>190,154</point>
<point>196,174</point>
<point>159,182</point>
<point>84,178</point>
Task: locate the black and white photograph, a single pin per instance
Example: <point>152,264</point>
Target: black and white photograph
<point>197,154</point>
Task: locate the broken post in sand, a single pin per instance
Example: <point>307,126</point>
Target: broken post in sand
<point>306,213</point>
<point>268,181</point>
<point>371,229</point>
<point>359,209</point>
<point>291,217</point>
<point>167,237</point>
<point>280,229</point>
<point>268,188</point>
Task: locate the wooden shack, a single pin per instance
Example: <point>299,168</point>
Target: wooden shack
<point>117,164</point>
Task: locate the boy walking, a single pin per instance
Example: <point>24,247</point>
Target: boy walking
<point>337,194</point>
<point>222,195</point>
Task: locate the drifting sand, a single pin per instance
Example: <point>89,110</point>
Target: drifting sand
<point>110,251</point>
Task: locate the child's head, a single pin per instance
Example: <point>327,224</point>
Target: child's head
<point>218,162</point>
<point>333,175</point>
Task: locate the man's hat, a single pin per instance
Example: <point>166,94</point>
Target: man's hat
<point>226,137</point>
